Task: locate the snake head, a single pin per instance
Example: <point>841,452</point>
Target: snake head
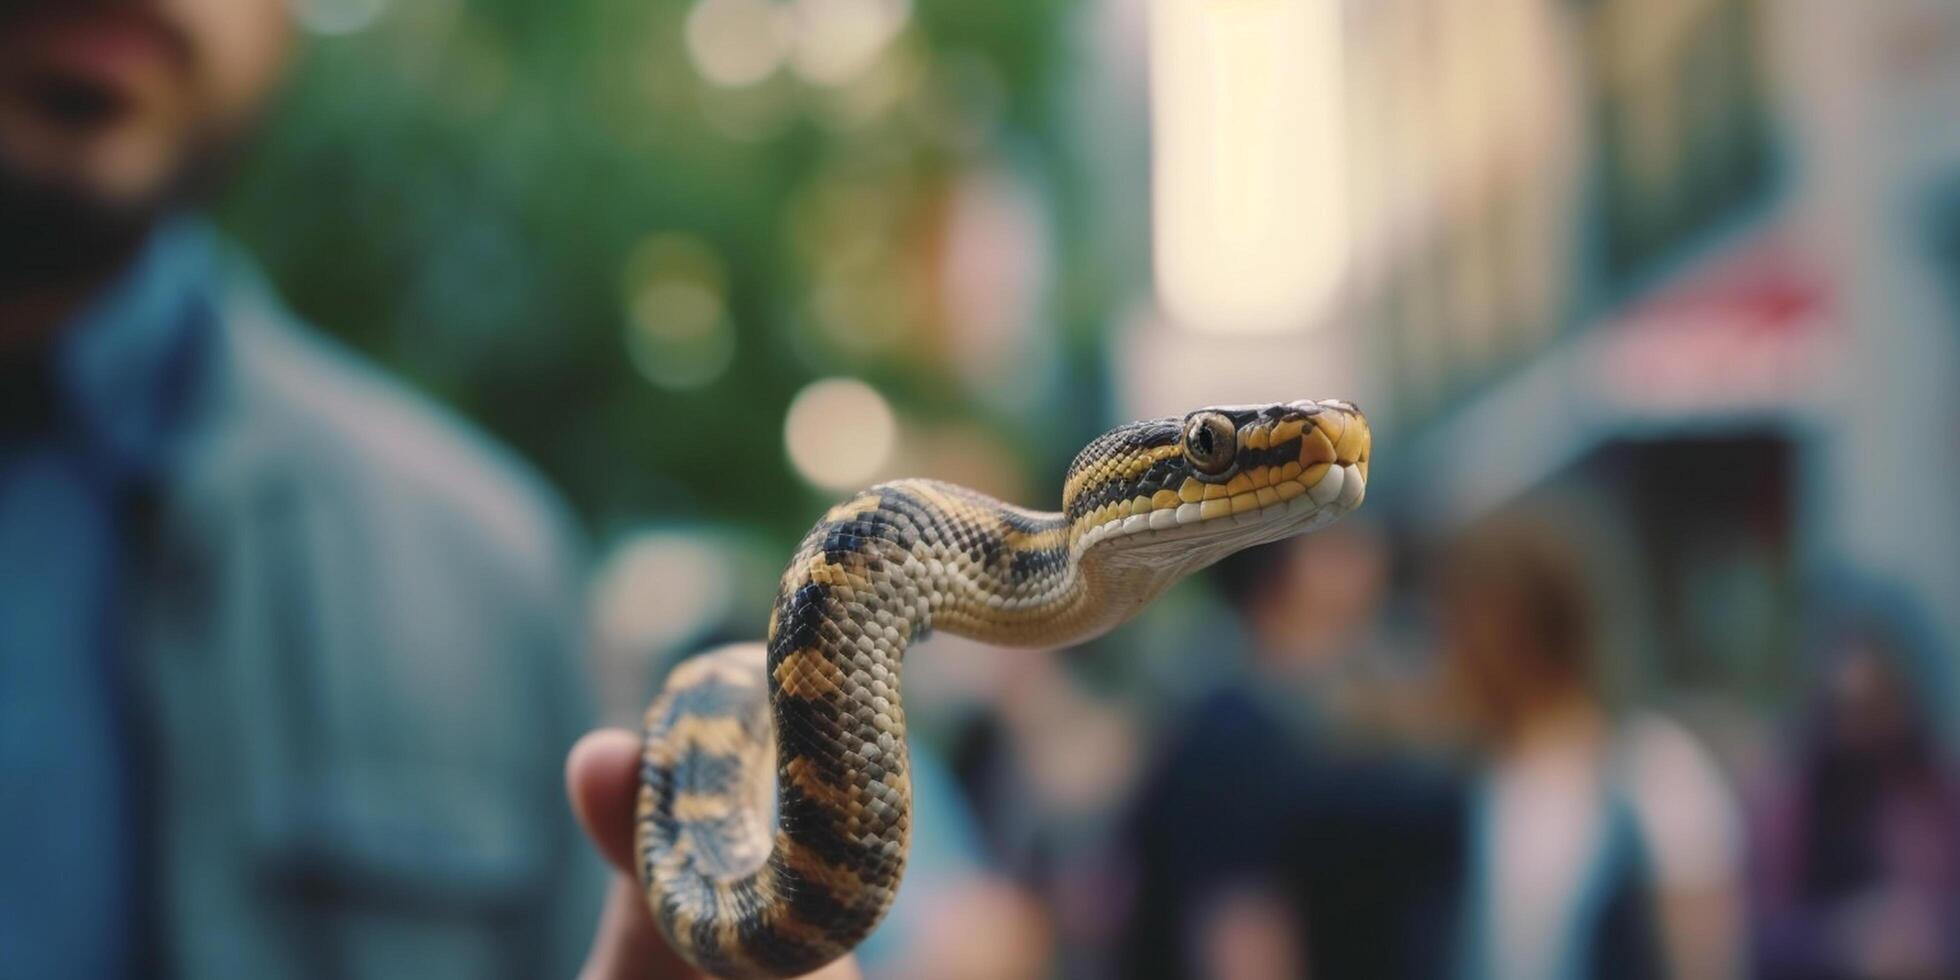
<point>1190,490</point>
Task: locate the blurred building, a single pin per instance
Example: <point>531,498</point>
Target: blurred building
<point>1697,259</point>
<point>1731,326</point>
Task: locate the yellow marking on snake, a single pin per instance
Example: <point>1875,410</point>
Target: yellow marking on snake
<point>807,673</point>
<point>799,772</point>
<point>699,806</point>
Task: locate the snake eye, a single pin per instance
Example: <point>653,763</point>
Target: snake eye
<point>1210,442</point>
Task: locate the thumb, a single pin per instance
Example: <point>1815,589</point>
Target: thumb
<point>601,777</point>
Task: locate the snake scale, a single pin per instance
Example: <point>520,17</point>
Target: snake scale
<point>775,799</point>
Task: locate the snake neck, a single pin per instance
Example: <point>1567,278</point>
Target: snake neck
<point>916,556</point>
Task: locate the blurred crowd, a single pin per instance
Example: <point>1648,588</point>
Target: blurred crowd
<point>1336,784</point>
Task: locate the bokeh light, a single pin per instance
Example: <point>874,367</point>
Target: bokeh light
<point>840,433</point>
<point>737,42</point>
<point>838,39</point>
<point>677,327</point>
<point>657,589</point>
<point>1248,158</point>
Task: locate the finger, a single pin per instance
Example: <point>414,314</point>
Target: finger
<point>844,969</point>
<point>602,779</point>
<point>629,946</point>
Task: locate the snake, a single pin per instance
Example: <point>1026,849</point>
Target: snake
<point>774,803</point>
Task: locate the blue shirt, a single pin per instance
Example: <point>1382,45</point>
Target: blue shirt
<point>85,427</point>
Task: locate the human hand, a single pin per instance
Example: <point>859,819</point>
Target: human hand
<point>602,779</point>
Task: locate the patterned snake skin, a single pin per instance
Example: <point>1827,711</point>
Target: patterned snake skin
<point>812,722</point>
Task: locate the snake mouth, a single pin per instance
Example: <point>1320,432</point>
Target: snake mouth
<point>1298,490</point>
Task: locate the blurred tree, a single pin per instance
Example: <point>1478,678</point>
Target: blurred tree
<point>460,191</point>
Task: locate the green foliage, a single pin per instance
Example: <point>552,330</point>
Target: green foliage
<point>455,191</point>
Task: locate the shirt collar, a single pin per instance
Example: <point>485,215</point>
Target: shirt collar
<point>125,368</point>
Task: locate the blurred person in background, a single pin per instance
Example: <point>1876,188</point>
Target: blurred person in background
<point>289,657</point>
<point>1265,843</point>
<point>954,918</point>
<point>1857,863</point>
<point>1598,844</point>
<point>1045,761</point>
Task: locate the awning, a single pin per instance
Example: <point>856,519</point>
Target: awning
<point>1738,340</point>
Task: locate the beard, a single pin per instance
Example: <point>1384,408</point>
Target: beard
<point>53,235</point>
<point>58,234</point>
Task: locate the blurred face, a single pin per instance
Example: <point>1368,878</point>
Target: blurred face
<point>1494,661</point>
<point>110,108</point>
<point>1869,715</point>
<point>1482,655</point>
<point>1328,591</point>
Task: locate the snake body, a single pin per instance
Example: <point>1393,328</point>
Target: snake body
<point>813,720</point>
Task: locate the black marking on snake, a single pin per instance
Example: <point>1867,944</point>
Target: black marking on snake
<point>800,625</point>
<point>1169,474</point>
<point>1164,474</point>
<point>822,729</point>
<point>817,828</point>
<point>1097,496</point>
<point>1280,455</point>
<point>656,779</point>
<point>850,536</point>
<point>1128,440</point>
<point>778,953</point>
<point>1159,475</point>
<point>1039,562</point>
<point>715,964</point>
<point>757,934</point>
<point>812,901</point>
<point>908,514</point>
<point>1024,523</point>
<point>704,934</point>
<point>986,549</point>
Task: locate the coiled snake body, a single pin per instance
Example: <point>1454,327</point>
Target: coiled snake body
<point>814,720</point>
